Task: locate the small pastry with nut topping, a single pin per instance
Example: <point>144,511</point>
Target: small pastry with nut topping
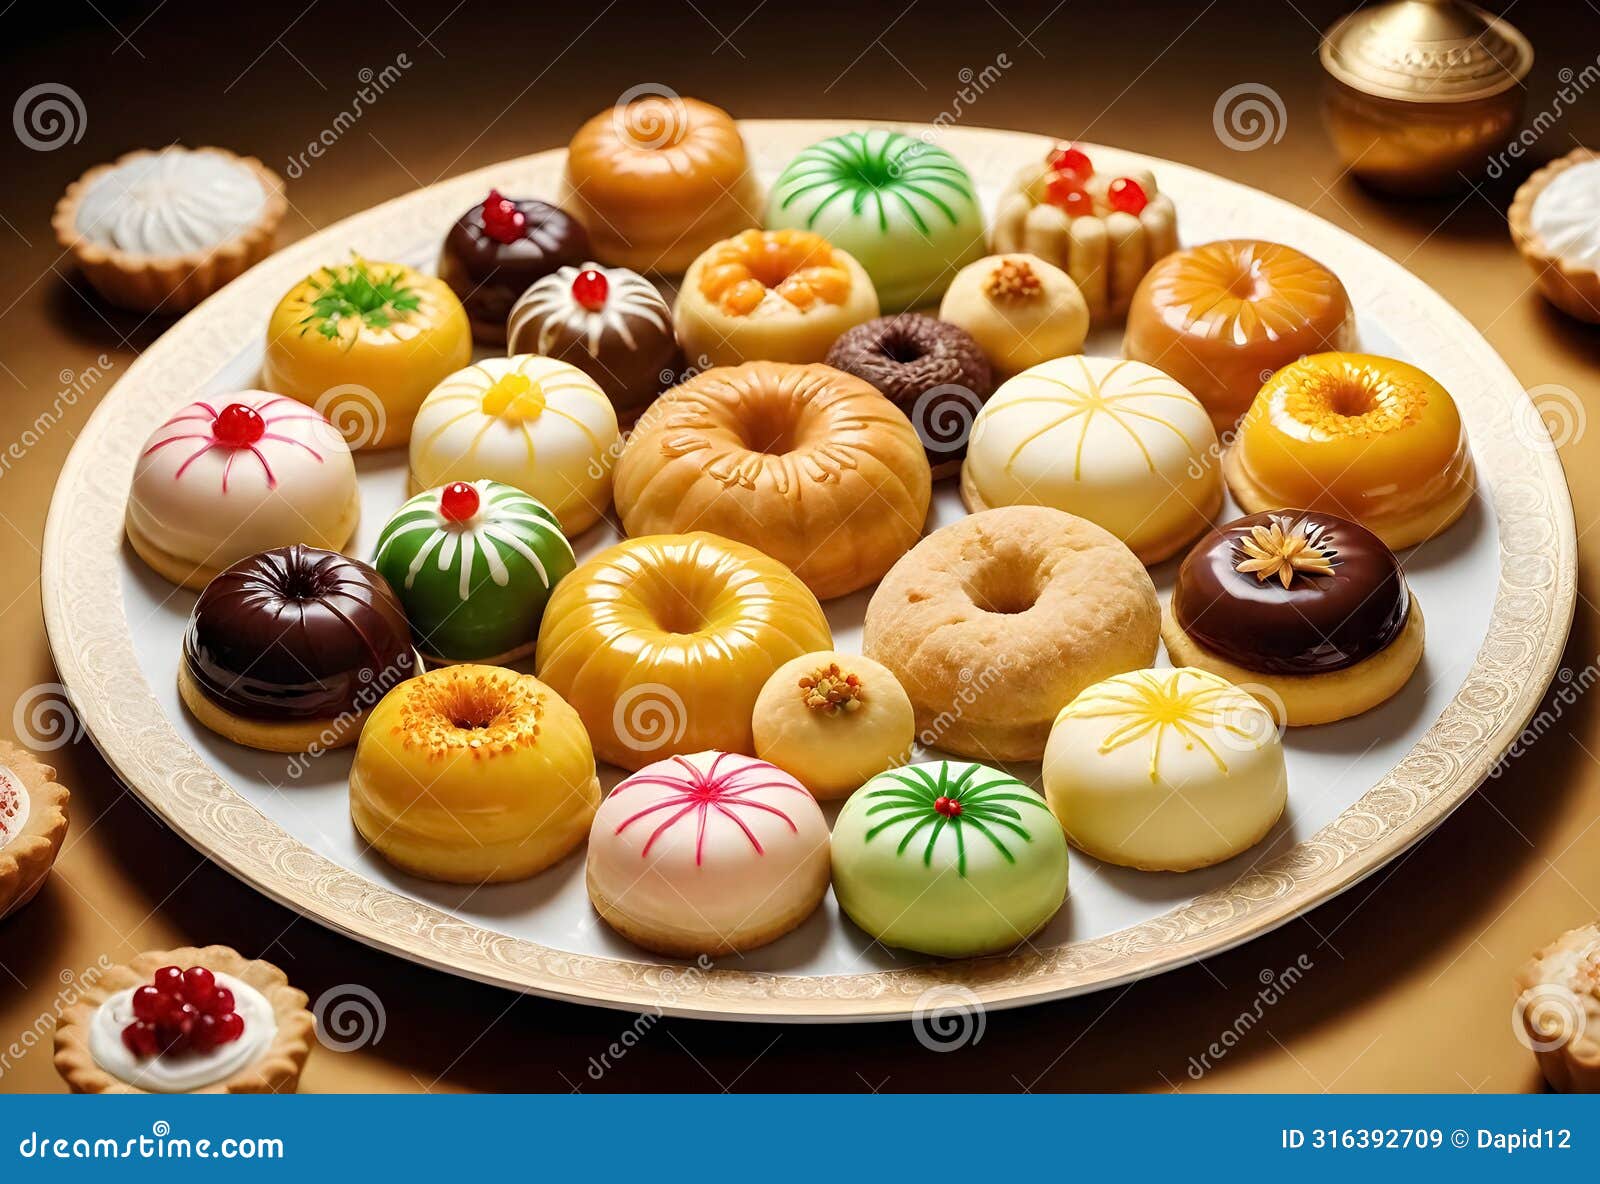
<point>1020,310</point>
<point>834,721</point>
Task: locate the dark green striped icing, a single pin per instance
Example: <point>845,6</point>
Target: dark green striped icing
<point>990,809</point>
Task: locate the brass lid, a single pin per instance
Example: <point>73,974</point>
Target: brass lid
<point>1426,51</point>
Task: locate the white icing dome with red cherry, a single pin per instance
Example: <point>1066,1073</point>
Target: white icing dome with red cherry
<point>707,854</point>
<point>229,476</point>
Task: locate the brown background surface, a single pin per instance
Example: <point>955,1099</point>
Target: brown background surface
<point>1409,986</point>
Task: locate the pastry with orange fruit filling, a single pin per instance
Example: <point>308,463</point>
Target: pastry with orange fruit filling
<point>657,180</point>
<point>663,643</point>
<point>1220,317</point>
<point>775,295</point>
<point>1368,438</point>
<point>470,774</point>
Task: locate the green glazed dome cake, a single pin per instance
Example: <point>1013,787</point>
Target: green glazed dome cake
<point>903,207</point>
<point>949,858</point>
<point>474,564</point>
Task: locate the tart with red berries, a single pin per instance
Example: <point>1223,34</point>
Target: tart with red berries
<point>33,822</point>
<point>186,1021</point>
<point>1104,228</point>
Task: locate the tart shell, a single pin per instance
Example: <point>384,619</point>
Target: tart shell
<point>174,283</point>
<point>26,860</point>
<point>276,1071</point>
<point>1573,289</point>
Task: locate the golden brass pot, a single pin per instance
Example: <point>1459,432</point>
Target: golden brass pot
<point>1420,92</point>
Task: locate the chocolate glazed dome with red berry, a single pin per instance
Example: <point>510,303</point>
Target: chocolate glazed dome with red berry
<point>609,322</point>
<point>498,248</point>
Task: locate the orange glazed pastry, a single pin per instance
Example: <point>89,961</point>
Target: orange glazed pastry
<point>807,463</point>
<point>1367,438</point>
<point>657,180</point>
<point>782,295</point>
<point>663,643</point>
<point>1220,317</point>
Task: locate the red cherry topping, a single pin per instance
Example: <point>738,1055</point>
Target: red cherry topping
<point>458,502</point>
<point>590,289</point>
<point>149,1004</point>
<point>1072,160</point>
<point>501,219</point>
<point>1127,195</point>
<point>199,984</point>
<point>237,426</point>
<point>181,1011</point>
<point>949,807</point>
<point>1067,193</point>
<point>140,1039</point>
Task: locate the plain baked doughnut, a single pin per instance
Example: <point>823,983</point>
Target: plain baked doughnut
<point>996,622</point>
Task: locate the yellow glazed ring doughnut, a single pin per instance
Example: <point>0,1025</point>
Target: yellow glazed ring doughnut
<point>1363,437</point>
<point>473,773</point>
<point>663,643</point>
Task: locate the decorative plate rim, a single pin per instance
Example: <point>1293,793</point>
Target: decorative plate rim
<point>93,653</point>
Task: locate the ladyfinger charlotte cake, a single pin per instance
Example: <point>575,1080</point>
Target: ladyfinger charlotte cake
<point>1104,228</point>
<point>711,853</point>
<point>948,858</point>
<point>229,476</point>
<point>904,208</point>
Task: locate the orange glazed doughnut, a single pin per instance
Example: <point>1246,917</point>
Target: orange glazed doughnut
<point>1367,438</point>
<point>663,643</point>
<point>658,180</point>
<point>1221,317</point>
<point>807,463</point>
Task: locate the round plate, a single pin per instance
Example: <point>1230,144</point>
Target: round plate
<point>1498,589</point>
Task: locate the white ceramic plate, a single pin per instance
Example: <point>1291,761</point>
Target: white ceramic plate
<point>1497,589</point>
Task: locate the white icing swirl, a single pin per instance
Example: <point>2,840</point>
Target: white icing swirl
<point>1566,214</point>
<point>182,1072</point>
<point>14,805</point>
<point>173,202</point>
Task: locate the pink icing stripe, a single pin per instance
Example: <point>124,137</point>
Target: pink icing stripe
<point>160,444</point>
<point>272,480</point>
<point>698,792</point>
<point>178,476</point>
<point>315,455</point>
<point>227,467</point>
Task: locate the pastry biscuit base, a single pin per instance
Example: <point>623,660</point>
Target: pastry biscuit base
<point>691,942</point>
<point>26,860</point>
<point>188,574</point>
<point>278,1069</point>
<point>1301,699</point>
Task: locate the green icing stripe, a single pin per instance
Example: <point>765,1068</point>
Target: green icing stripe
<point>851,165</point>
<point>985,809</point>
